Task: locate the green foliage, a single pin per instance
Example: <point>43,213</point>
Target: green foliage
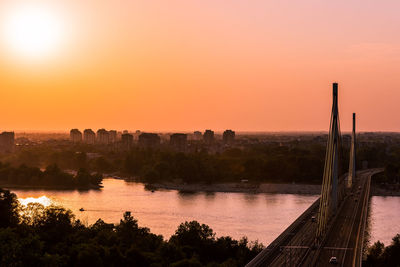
<point>198,243</point>
<point>51,176</point>
<point>380,256</point>
<point>263,163</point>
<point>286,162</point>
<point>35,235</point>
<point>8,209</point>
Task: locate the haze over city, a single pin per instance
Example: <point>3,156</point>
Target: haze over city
<point>186,65</point>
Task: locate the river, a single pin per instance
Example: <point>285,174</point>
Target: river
<point>258,216</point>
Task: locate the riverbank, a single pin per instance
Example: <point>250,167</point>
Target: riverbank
<point>306,189</point>
<point>377,190</point>
<point>302,189</point>
<point>48,187</point>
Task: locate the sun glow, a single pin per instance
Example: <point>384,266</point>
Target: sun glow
<point>32,31</point>
<point>45,201</point>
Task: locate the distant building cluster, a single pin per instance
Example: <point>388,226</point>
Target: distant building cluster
<point>7,140</point>
<point>104,137</point>
<point>90,137</point>
<point>177,141</point>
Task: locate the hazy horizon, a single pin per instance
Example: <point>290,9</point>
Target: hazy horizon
<point>218,132</point>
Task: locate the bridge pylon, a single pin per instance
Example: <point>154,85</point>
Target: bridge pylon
<point>352,162</point>
<point>331,191</point>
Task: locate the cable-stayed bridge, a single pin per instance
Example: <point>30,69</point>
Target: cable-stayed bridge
<point>331,230</point>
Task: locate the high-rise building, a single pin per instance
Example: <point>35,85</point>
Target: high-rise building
<point>197,135</point>
<point>75,136</point>
<point>178,140</point>
<point>7,142</point>
<point>103,136</point>
<point>89,137</point>
<point>208,137</point>
<point>228,137</point>
<point>149,140</point>
<point>127,140</point>
<point>112,136</point>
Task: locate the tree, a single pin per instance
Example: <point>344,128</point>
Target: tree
<point>55,224</point>
<point>195,239</point>
<point>391,254</point>
<point>9,206</point>
<point>192,233</point>
<point>379,255</point>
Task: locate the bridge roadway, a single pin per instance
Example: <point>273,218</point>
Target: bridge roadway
<point>344,240</point>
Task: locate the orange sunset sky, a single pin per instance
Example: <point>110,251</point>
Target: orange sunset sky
<point>191,65</point>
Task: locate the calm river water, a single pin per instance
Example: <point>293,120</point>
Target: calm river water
<point>257,216</point>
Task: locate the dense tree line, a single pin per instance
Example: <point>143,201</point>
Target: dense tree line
<point>257,164</point>
<point>51,176</point>
<point>34,235</point>
<point>295,161</point>
<point>392,168</point>
<point>381,256</point>
<point>300,162</point>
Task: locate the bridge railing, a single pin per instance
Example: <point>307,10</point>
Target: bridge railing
<point>358,249</point>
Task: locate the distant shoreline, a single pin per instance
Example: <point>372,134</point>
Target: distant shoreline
<point>48,187</point>
<point>270,188</point>
<point>379,191</point>
<point>305,189</point>
<point>301,189</point>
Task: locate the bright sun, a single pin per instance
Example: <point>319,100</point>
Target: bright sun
<point>32,31</point>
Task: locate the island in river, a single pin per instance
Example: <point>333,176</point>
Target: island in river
<point>50,178</point>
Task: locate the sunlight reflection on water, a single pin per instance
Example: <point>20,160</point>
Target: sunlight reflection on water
<point>45,201</point>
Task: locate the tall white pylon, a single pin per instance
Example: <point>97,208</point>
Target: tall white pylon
<point>352,164</point>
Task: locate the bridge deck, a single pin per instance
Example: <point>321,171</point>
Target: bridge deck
<point>275,255</point>
<point>344,239</point>
<point>344,236</point>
